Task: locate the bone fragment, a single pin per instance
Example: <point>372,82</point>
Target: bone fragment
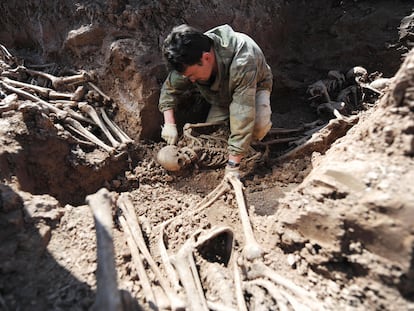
<point>91,112</point>
<point>79,93</point>
<point>252,249</point>
<point>78,128</point>
<point>108,296</point>
<point>9,103</point>
<point>105,97</point>
<point>128,210</point>
<point>7,55</point>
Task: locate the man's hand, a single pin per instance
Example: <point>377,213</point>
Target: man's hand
<point>169,133</point>
<point>232,169</point>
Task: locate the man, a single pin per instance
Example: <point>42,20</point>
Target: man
<point>230,71</point>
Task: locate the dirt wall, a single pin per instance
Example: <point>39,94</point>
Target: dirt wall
<point>121,40</point>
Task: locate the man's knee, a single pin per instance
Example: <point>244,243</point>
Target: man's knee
<point>263,121</point>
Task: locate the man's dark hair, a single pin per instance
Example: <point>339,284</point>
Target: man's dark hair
<point>184,47</point>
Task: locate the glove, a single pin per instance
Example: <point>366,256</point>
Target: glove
<point>232,170</point>
<point>169,133</point>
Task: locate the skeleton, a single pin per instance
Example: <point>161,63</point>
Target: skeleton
<point>325,89</point>
<point>181,268</point>
<point>338,99</point>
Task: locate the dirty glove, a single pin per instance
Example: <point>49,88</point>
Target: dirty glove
<point>169,133</point>
<point>232,169</point>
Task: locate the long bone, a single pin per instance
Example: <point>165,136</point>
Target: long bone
<point>59,113</point>
<point>222,188</point>
<point>241,303</point>
<point>43,91</point>
<point>71,138</point>
<point>115,128</point>
<point>169,269</point>
<point>91,112</point>
<point>183,262</point>
<point>58,82</point>
<point>252,249</point>
<point>128,211</point>
<point>139,265</point>
<point>108,296</point>
<point>78,128</point>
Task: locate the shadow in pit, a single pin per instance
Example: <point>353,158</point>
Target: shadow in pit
<point>30,278</point>
<point>49,164</point>
<point>406,284</point>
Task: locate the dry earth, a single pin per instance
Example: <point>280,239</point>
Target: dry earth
<point>335,219</point>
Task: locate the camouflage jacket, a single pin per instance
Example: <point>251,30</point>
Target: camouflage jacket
<point>242,71</point>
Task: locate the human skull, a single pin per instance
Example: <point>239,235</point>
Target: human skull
<point>358,73</point>
<point>174,159</point>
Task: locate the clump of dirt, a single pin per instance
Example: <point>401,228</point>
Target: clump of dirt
<point>334,218</point>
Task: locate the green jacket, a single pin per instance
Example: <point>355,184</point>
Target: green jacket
<point>242,71</point>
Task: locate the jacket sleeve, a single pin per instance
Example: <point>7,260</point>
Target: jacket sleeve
<point>173,87</point>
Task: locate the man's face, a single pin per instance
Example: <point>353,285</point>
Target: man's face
<point>201,72</point>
